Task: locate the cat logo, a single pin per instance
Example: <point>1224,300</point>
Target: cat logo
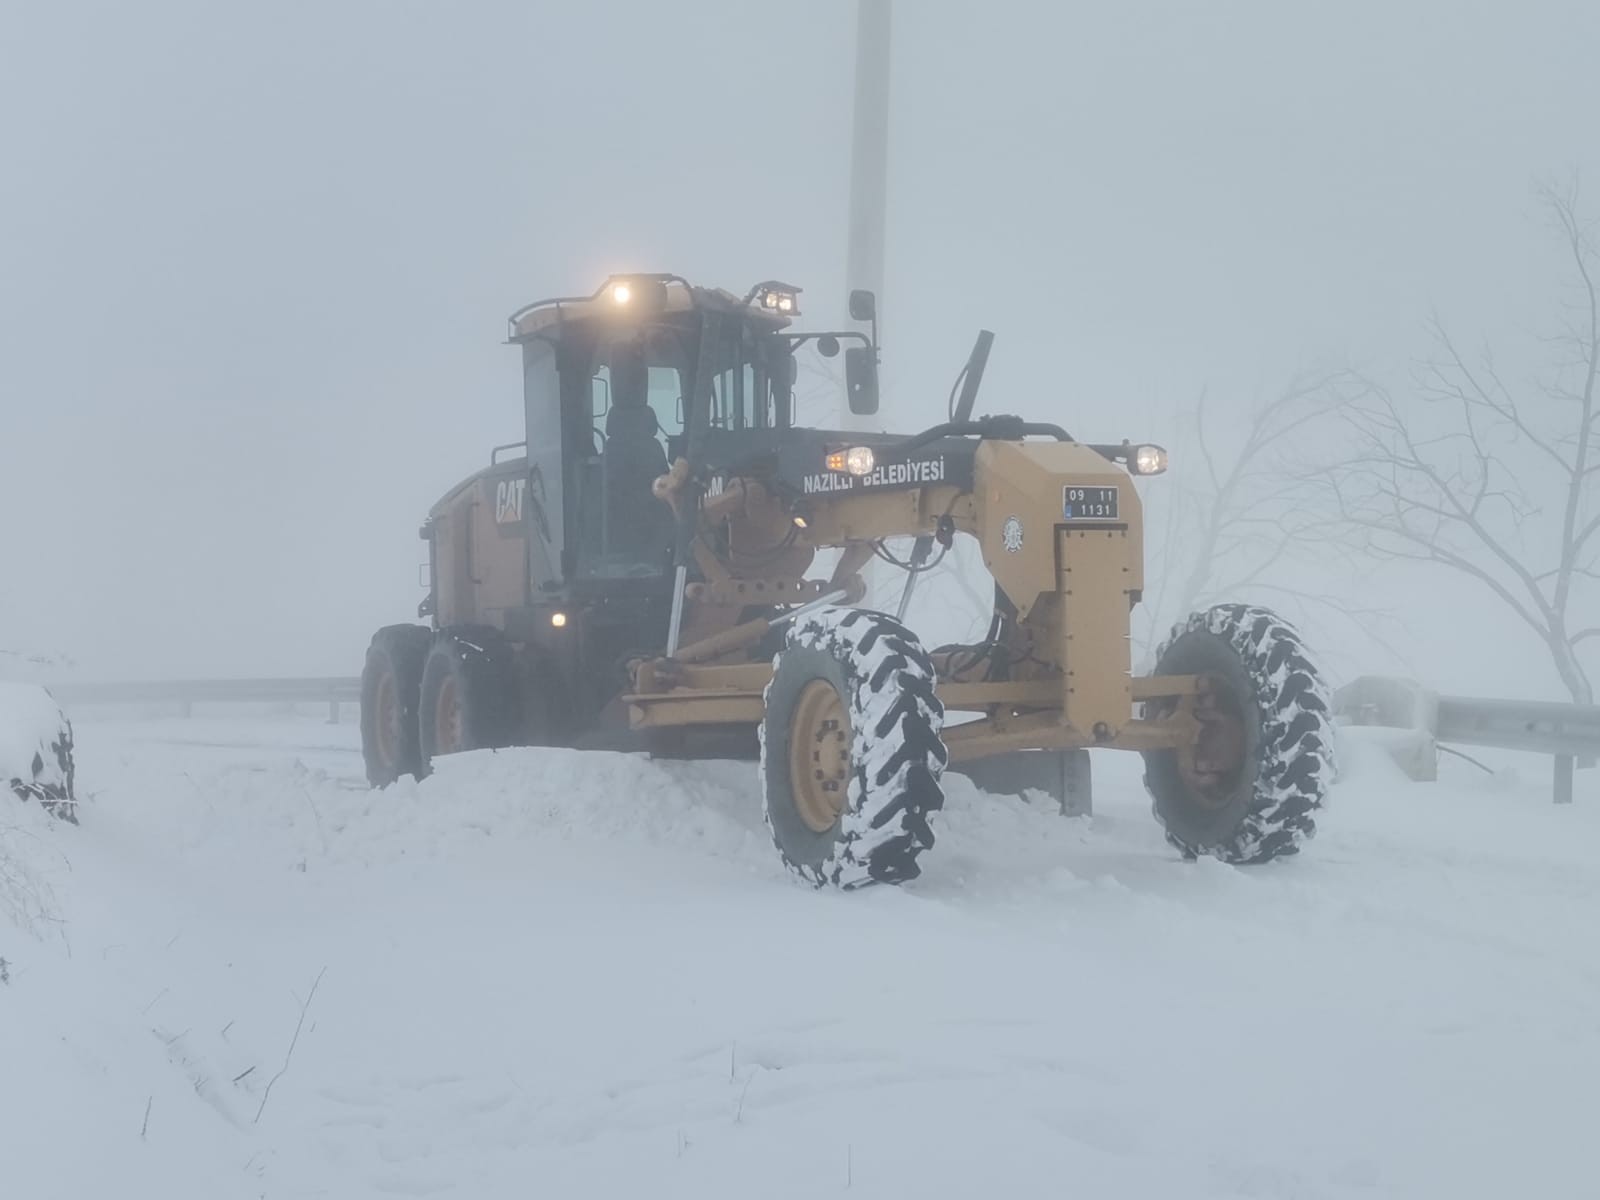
<point>508,501</point>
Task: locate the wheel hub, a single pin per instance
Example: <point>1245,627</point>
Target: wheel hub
<point>819,755</point>
<point>448,726</point>
<point>388,722</point>
<point>1210,764</point>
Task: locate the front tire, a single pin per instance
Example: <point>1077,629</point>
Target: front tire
<point>851,753</point>
<point>1247,790</point>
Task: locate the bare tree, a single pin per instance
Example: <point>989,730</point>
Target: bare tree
<point>1495,479</point>
<point>1236,521</point>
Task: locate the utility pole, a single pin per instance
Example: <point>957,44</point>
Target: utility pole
<point>869,168</point>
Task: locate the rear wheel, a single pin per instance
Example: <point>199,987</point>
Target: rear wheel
<point>391,683</point>
<point>469,694</point>
<point>1246,788</point>
<point>850,749</point>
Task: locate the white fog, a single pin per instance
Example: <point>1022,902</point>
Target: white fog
<point>1340,261</point>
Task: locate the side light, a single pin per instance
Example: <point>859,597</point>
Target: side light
<point>621,293</point>
<point>1148,460</point>
<point>558,620</point>
<point>859,460</point>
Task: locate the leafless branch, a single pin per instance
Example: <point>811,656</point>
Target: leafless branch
<point>1245,510</point>
<point>1205,446</point>
<point>293,1042</point>
<point>1441,486</point>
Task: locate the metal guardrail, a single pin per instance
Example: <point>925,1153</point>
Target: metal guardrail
<point>185,693</point>
<point>1536,726</point>
<point>1570,733</point>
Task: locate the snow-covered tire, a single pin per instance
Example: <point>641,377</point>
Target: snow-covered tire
<point>862,684</point>
<point>36,749</point>
<point>391,688</point>
<point>469,698</point>
<point>1249,790</point>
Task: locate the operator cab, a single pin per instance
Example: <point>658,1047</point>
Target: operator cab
<point>619,385</point>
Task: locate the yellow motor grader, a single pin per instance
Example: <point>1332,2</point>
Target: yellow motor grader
<point>671,561</point>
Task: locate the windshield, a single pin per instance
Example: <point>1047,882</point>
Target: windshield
<point>767,380</point>
<point>750,387</point>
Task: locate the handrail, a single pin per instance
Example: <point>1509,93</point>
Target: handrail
<point>494,454</point>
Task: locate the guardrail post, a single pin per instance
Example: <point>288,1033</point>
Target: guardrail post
<point>1564,766</point>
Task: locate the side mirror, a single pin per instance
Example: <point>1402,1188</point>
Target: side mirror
<point>861,376</point>
<point>863,305</point>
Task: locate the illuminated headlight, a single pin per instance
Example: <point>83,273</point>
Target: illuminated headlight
<point>858,460</point>
<point>776,300</point>
<point>621,293</point>
<point>1148,460</point>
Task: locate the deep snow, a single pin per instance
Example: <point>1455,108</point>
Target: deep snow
<point>545,974</point>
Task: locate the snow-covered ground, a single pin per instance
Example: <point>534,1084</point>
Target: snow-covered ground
<point>544,974</point>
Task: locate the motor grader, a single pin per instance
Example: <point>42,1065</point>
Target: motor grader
<point>671,561</point>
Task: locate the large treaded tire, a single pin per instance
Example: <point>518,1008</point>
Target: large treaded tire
<point>1269,808</point>
<point>391,684</point>
<point>474,668</point>
<point>886,684</point>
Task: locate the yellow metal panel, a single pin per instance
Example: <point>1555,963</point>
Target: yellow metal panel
<point>1020,487</point>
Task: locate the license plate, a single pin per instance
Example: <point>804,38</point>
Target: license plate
<point>1090,503</point>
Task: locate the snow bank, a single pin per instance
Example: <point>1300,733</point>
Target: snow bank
<point>544,973</point>
<point>36,747</point>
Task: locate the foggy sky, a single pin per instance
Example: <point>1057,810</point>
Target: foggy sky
<point>255,262</point>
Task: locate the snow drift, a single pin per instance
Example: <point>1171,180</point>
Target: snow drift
<point>546,973</point>
<point>36,748</point>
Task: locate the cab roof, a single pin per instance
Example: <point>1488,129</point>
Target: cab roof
<point>677,296</point>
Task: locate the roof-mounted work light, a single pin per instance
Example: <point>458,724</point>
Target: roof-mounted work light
<point>635,294</point>
<point>780,299</point>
